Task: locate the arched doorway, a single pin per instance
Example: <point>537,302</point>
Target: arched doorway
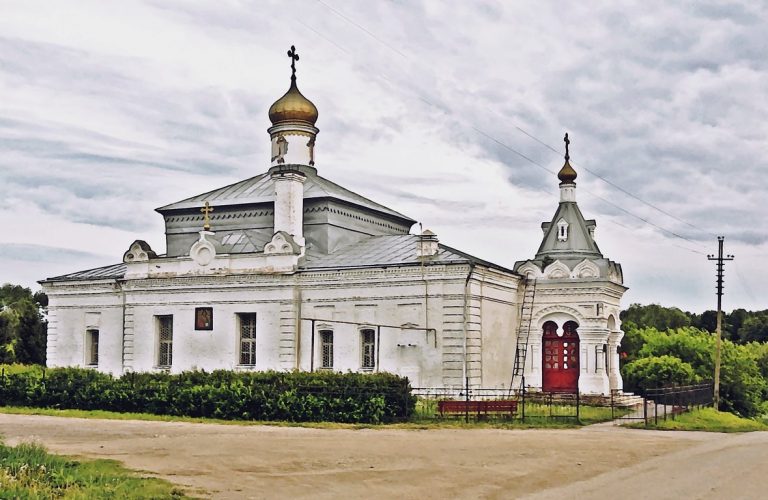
<point>560,362</point>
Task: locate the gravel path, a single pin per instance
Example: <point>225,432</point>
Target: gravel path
<point>227,461</point>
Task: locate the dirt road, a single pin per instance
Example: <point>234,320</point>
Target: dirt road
<point>290,462</point>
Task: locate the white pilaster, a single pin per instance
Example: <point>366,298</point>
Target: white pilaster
<point>289,203</point>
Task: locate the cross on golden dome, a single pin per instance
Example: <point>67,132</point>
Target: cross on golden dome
<point>294,57</point>
<point>567,174</point>
<point>293,107</point>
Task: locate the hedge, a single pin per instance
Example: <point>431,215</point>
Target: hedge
<point>229,395</point>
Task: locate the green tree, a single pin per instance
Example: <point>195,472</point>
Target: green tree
<point>655,316</point>
<point>22,325</point>
<point>755,328</point>
<point>734,321</point>
<point>657,371</point>
<point>706,320</point>
<point>742,383</point>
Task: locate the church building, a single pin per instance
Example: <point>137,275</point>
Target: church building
<point>288,270</point>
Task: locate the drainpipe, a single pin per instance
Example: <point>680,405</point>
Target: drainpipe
<point>426,287</point>
<point>122,342</point>
<point>378,347</point>
<point>297,332</point>
<point>466,327</point>
<point>312,347</point>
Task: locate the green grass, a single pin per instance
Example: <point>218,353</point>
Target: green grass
<point>423,419</point>
<point>113,415</point>
<point>536,415</point>
<point>707,419</point>
<point>27,471</point>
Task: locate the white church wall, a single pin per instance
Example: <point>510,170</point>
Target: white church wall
<point>218,348</point>
<point>499,313</point>
<point>399,305</point>
<point>418,316</point>
<point>73,310</point>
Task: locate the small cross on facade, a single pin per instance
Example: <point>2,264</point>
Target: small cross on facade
<point>294,57</point>
<point>206,210</point>
<point>567,142</point>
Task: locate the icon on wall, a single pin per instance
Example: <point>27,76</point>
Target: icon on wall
<point>204,318</point>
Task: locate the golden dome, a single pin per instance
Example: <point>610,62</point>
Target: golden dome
<point>567,174</point>
<point>293,107</point>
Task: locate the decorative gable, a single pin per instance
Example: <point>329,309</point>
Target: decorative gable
<point>282,243</point>
<point>139,251</point>
<point>529,270</point>
<point>557,270</point>
<point>586,269</point>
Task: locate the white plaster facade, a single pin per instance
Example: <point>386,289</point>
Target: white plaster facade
<point>436,324</point>
<point>292,257</point>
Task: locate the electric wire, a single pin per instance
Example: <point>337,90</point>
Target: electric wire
<point>614,185</point>
<point>527,158</point>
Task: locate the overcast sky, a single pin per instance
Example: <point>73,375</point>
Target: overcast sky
<point>450,112</point>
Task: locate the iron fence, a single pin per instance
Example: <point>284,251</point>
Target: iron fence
<point>483,403</point>
<point>662,403</point>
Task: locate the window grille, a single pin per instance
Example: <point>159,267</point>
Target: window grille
<point>368,343</point>
<point>326,348</point>
<point>247,338</point>
<point>165,341</point>
<point>93,347</point>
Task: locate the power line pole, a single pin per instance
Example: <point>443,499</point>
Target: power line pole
<point>720,265</point>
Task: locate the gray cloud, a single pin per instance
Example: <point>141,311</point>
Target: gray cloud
<point>99,122</point>
<point>37,253</point>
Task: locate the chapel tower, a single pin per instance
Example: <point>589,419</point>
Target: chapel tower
<point>570,331</point>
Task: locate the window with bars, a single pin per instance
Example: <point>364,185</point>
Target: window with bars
<point>368,347</point>
<point>92,347</point>
<point>326,349</point>
<point>165,341</point>
<point>247,338</point>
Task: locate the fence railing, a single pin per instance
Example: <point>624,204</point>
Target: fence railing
<point>662,403</point>
<point>496,403</point>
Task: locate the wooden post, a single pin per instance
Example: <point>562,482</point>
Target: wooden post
<point>720,264</point>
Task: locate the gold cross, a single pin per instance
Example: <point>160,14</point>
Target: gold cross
<point>207,209</point>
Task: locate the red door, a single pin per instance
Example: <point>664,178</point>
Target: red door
<point>560,358</point>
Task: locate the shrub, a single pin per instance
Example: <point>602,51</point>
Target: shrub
<point>657,371</point>
<point>291,396</point>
